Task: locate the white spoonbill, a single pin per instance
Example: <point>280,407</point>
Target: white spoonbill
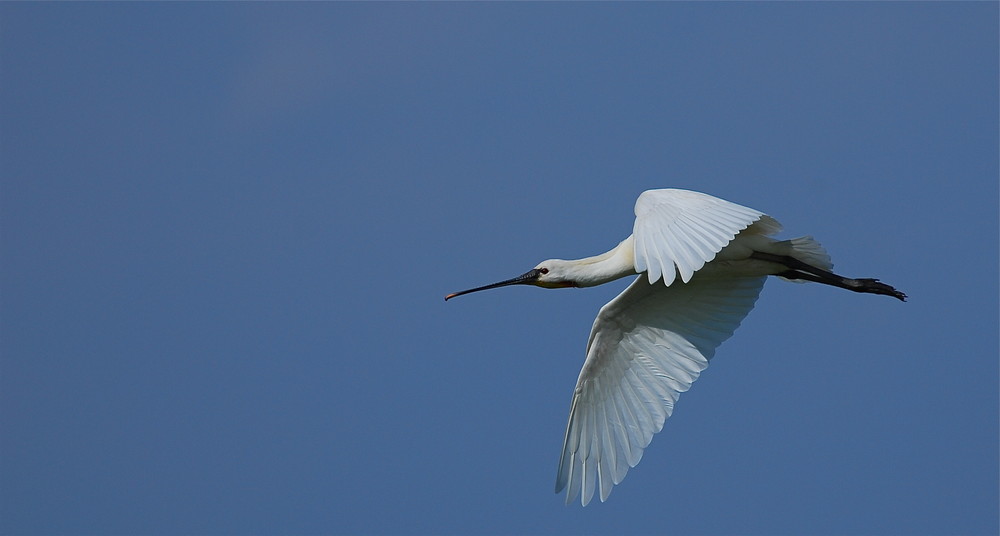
<point>704,262</point>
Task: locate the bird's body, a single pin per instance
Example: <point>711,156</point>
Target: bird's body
<point>702,262</point>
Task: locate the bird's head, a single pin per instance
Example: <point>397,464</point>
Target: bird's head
<point>553,273</point>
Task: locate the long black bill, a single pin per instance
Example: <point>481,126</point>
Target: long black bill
<point>526,278</point>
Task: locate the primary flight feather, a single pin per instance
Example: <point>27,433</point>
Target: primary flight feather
<point>702,262</point>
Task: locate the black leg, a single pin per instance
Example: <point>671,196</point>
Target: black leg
<point>800,270</point>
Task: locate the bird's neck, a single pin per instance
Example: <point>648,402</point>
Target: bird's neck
<point>600,269</point>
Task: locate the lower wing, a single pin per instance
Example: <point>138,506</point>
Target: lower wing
<point>647,346</point>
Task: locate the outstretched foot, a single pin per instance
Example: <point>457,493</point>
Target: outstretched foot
<point>874,286</point>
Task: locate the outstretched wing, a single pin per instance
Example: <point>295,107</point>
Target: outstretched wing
<point>647,346</point>
<point>685,229</point>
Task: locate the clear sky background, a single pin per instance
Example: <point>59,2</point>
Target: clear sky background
<point>227,230</point>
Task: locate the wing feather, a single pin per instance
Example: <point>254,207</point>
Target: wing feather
<point>606,455</point>
<point>619,437</point>
<point>631,430</point>
<point>647,346</point>
<point>677,231</point>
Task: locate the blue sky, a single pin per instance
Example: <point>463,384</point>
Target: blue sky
<point>227,230</point>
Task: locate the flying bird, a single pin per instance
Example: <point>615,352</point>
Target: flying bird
<point>701,262</point>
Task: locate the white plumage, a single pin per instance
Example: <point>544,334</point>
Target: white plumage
<point>705,261</point>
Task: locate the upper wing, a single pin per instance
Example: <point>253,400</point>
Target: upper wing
<point>647,346</point>
<point>686,229</point>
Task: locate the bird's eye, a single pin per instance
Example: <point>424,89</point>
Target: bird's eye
<point>543,270</point>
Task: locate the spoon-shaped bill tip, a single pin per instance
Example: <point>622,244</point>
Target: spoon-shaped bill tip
<point>526,278</point>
